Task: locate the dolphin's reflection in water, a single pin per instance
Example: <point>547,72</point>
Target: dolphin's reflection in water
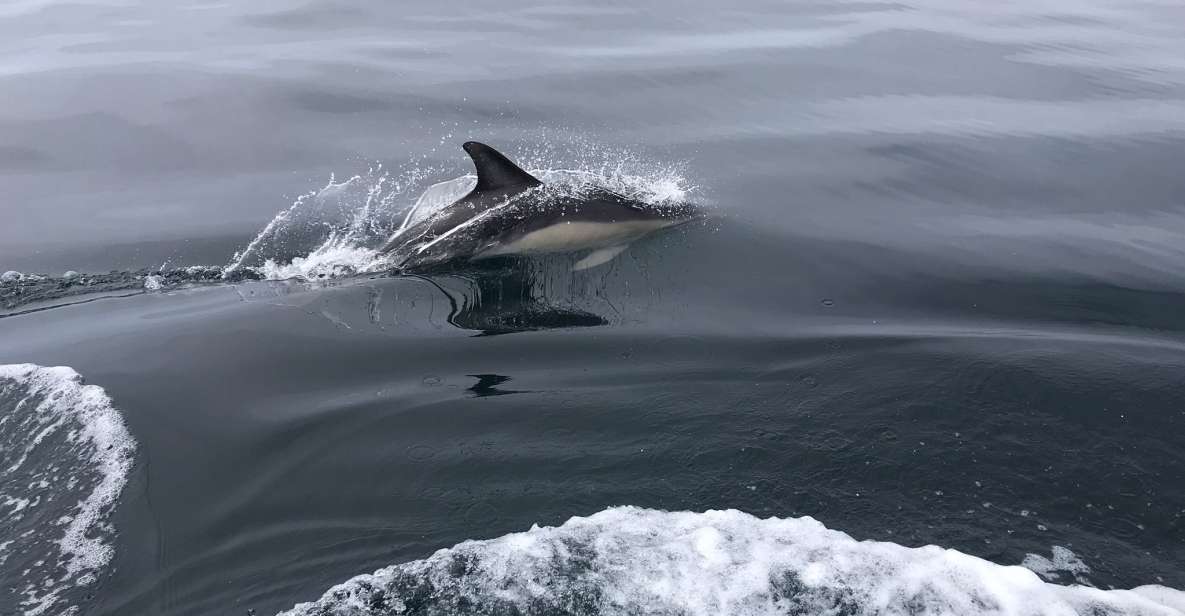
<point>490,385</point>
<point>504,300</point>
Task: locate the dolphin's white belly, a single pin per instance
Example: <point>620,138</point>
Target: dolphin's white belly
<point>573,236</point>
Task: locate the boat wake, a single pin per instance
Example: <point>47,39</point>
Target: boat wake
<point>65,456</point>
<point>626,560</point>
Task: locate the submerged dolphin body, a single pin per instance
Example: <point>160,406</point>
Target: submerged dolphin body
<point>510,212</point>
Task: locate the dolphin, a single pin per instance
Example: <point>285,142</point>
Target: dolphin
<point>511,212</point>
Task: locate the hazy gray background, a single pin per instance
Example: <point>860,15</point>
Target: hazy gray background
<point>131,132</point>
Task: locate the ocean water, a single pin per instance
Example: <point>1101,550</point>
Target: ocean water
<point>922,353</point>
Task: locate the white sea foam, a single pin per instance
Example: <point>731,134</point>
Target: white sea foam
<point>330,260</point>
<point>65,456</point>
<point>626,560</point>
<point>1062,562</point>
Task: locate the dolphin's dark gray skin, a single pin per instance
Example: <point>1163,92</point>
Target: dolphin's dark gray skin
<point>510,212</point>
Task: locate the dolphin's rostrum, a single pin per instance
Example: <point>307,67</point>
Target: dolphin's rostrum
<point>510,212</point>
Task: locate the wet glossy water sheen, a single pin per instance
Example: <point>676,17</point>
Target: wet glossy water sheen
<point>940,299</point>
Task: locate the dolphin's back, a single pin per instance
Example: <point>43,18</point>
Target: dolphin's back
<point>498,179</point>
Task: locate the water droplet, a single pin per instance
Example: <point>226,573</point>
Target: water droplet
<point>828,302</point>
<point>432,380</point>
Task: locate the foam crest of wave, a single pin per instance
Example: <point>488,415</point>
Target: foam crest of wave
<point>65,456</point>
<point>626,560</point>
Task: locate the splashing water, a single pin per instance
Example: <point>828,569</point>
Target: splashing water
<point>333,231</point>
<point>338,230</point>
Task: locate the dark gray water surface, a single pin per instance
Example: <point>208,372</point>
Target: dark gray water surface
<point>938,297</point>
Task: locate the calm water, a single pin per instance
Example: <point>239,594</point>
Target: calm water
<point>937,299</point>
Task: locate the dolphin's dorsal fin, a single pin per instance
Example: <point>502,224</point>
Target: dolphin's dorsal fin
<point>495,171</point>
